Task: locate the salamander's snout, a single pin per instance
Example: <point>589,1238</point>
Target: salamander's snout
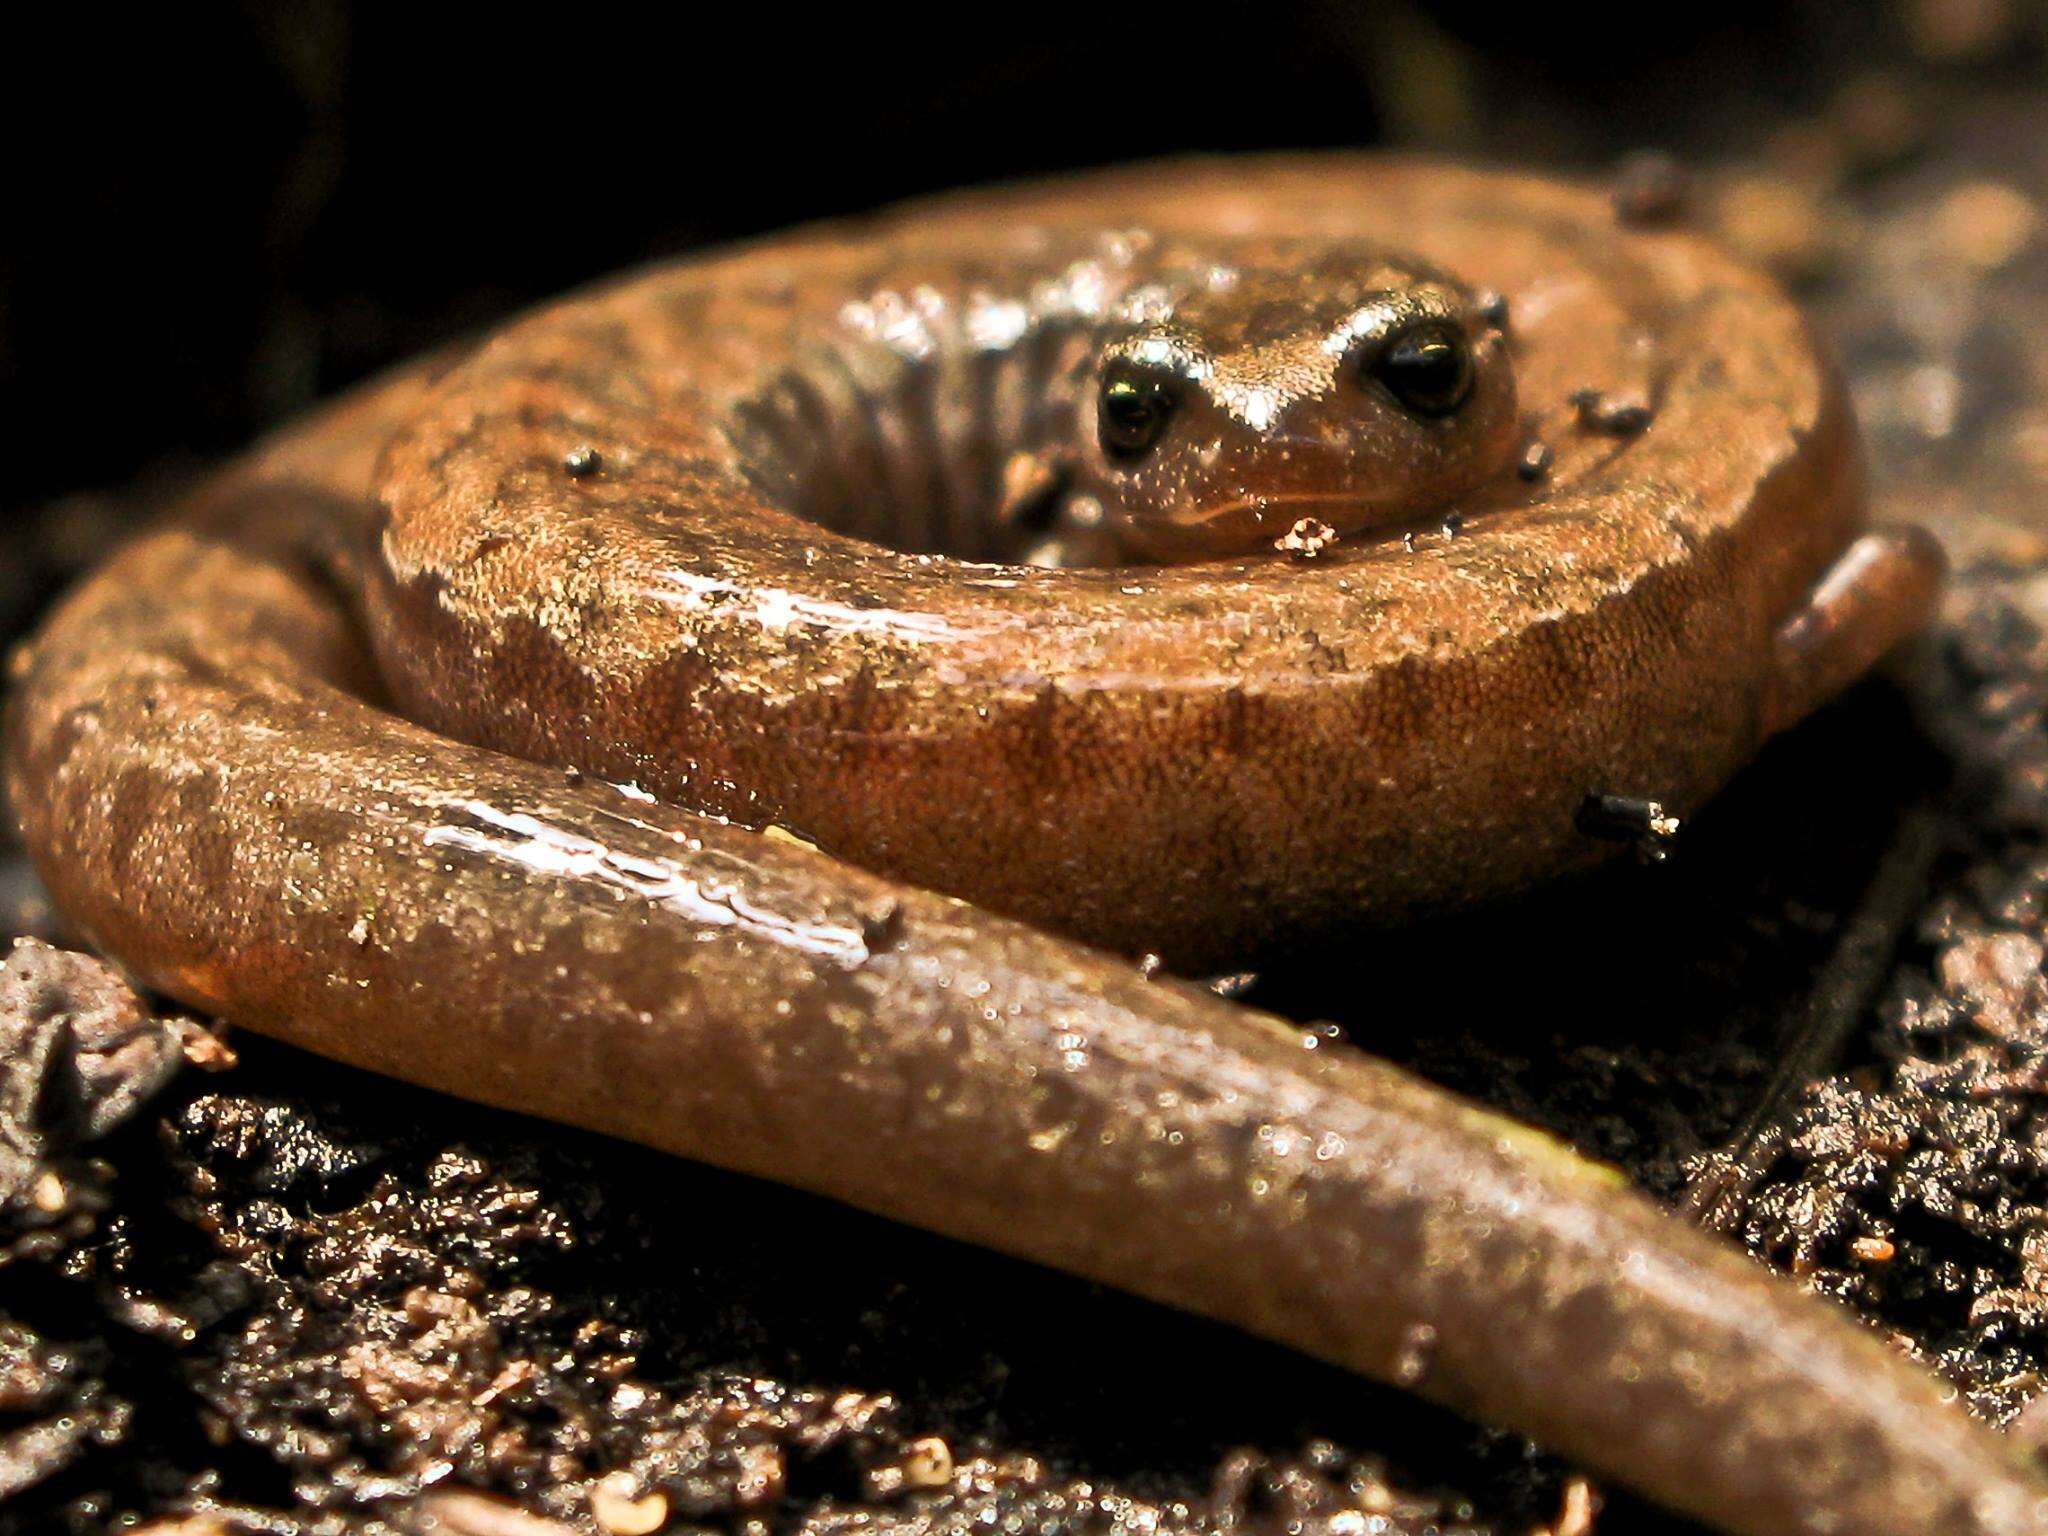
<point>1222,426</point>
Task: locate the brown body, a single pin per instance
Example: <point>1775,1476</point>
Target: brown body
<point>581,545</point>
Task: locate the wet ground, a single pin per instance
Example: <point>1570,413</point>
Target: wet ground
<point>285,1298</point>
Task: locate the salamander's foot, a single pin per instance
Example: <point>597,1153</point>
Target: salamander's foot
<point>1881,590</point>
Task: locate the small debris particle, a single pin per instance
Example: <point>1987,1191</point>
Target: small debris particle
<point>617,1506</point>
<point>1534,463</point>
<point>1650,187</point>
<point>583,461</point>
<point>764,1476</point>
<point>1615,415</point>
<point>1046,554</point>
<point>1050,1139</point>
<point>1306,539</point>
<point>204,1048</point>
<point>1492,306</point>
<point>1452,525</point>
<point>1234,983</point>
<point>923,1465</point>
<point>512,1377</point>
<point>1417,1357</point>
<point>882,925</point>
<point>1581,1505</point>
<point>1083,512</point>
<point>1873,1250</point>
<point>1150,965</point>
<point>1629,819</point>
<point>928,1463</point>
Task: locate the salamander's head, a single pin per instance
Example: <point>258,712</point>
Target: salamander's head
<point>1356,391</point>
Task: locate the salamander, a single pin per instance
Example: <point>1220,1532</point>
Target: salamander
<point>765,706</point>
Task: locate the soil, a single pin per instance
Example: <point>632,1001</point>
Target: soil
<point>282,1297</point>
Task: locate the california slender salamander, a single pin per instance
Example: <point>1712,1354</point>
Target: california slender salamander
<point>700,533</point>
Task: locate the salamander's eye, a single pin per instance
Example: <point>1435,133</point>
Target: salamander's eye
<point>1133,410</point>
<point>1427,367</point>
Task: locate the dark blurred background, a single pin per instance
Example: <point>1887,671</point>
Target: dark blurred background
<point>219,210</point>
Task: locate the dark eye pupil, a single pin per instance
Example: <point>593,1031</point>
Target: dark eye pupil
<point>1428,368</point>
<point>1133,412</point>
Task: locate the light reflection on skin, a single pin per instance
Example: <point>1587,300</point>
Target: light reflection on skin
<point>541,848</point>
<point>778,611</point>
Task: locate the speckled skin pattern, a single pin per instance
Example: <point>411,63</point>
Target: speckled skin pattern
<point>431,734</point>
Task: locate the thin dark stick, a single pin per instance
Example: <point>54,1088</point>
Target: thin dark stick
<point>1840,997</point>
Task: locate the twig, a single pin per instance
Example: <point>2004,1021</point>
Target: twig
<point>1841,994</point>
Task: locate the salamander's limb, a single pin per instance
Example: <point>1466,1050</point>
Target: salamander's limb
<point>1880,591</point>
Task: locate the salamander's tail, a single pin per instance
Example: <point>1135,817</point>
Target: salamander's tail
<point>1880,591</point>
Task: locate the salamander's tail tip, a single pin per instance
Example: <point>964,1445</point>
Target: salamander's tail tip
<point>1882,590</point>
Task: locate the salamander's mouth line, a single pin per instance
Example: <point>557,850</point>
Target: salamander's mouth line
<point>1287,508</point>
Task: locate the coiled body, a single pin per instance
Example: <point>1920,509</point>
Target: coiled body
<point>647,538</point>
